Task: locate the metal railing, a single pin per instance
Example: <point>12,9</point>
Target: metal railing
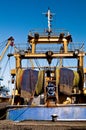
<point>56,48</point>
<point>43,32</point>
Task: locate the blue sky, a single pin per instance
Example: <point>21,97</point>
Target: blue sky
<point>18,17</point>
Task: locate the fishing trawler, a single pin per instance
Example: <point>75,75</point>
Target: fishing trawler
<point>49,89</point>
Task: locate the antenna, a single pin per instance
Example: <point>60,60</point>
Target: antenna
<point>49,17</point>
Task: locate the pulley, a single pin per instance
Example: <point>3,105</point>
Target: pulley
<point>49,56</point>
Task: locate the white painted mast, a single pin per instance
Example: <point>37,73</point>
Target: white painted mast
<point>49,18</point>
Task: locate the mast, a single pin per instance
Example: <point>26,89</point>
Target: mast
<point>49,18</point>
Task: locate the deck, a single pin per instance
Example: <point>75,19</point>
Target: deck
<point>42,125</point>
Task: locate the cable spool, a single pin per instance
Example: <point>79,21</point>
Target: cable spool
<point>76,78</point>
<point>30,81</point>
<point>67,80</point>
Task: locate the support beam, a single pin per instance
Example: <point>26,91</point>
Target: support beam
<point>43,56</point>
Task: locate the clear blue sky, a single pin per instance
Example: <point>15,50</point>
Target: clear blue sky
<point>18,17</point>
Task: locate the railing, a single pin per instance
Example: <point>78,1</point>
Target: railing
<point>76,46</point>
<point>44,32</point>
<point>56,48</point>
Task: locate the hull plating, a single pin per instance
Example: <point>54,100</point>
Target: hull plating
<point>69,112</point>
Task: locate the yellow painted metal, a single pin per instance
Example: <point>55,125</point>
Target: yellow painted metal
<point>33,55</point>
<point>40,81</point>
<point>84,70</point>
<point>13,72</point>
<point>43,56</point>
<point>10,40</point>
<point>76,79</point>
<point>18,61</point>
<point>19,78</point>
<point>46,40</point>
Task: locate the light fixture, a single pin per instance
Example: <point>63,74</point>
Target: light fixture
<point>76,52</point>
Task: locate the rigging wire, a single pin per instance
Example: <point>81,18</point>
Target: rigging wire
<point>1,43</point>
<point>9,67</point>
<point>4,68</point>
<point>2,47</point>
<point>37,63</point>
<point>57,62</point>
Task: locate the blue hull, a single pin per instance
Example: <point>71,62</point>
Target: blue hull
<point>68,112</point>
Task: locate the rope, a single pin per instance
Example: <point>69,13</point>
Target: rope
<point>37,63</point>
<point>3,116</point>
<point>57,62</point>
<point>20,114</point>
